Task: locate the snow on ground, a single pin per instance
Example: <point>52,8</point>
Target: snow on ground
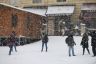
<point>57,53</point>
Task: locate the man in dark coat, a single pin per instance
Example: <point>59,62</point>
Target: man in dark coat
<point>44,41</point>
<point>12,42</point>
<point>70,42</point>
<point>84,42</point>
<point>93,42</point>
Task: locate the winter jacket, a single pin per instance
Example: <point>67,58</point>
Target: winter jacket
<point>93,40</point>
<point>45,39</point>
<point>70,41</point>
<point>84,41</point>
<point>11,40</point>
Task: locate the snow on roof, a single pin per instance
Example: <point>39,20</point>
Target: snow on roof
<point>88,7</point>
<point>19,8</point>
<point>38,11</point>
<point>60,10</point>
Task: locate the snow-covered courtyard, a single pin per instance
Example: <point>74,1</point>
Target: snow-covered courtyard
<point>57,53</point>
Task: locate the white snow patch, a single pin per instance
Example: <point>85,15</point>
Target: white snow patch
<point>57,53</point>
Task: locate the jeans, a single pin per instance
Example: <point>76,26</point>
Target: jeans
<point>71,48</point>
<point>43,46</point>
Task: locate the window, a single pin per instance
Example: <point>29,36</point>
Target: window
<point>14,20</point>
<point>37,1</point>
<point>28,22</point>
<point>13,2</point>
<point>61,0</point>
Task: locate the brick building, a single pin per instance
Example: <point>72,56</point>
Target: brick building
<point>56,27</point>
<point>27,25</point>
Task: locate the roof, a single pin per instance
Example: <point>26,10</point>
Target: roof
<point>88,7</point>
<point>19,8</point>
<point>60,10</point>
<point>37,11</point>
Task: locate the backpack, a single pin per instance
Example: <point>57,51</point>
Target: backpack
<point>67,40</point>
<point>70,41</point>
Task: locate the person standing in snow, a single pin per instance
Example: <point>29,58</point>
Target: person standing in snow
<point>70,42</point>
<point>12,42</point>
<point>44,41</point>
<point>14,45</point>
<point>93,42</point>
<point>84,42</point>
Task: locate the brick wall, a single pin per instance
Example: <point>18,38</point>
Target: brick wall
<point>21,29</point>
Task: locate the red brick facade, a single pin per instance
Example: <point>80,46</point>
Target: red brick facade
<point>28,24</point>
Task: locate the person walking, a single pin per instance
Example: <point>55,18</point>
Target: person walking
<point>84,42</point>
<point>70,42</point>
<point>44,41</point>
<point>12,42</point>
<point>93,42</point>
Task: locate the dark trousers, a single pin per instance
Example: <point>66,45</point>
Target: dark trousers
<point>11,48</point>
<point>86,49</point>
<point>14,48</point>
<point>43,46</point>
<point>94,50</point>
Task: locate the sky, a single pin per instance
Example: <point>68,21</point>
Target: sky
<point>57,53</point>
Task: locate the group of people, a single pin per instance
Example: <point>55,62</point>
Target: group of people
<point>69,41</point>
<point>84,43</point>
<point>11,42</point>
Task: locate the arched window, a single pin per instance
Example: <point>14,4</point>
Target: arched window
<point>14,20</point>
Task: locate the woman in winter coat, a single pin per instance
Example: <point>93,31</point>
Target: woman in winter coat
<point>44,42</point>
<point>70,42</point>
<point>84,42</point>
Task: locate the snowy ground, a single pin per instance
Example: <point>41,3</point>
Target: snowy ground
<point>57,53</point>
